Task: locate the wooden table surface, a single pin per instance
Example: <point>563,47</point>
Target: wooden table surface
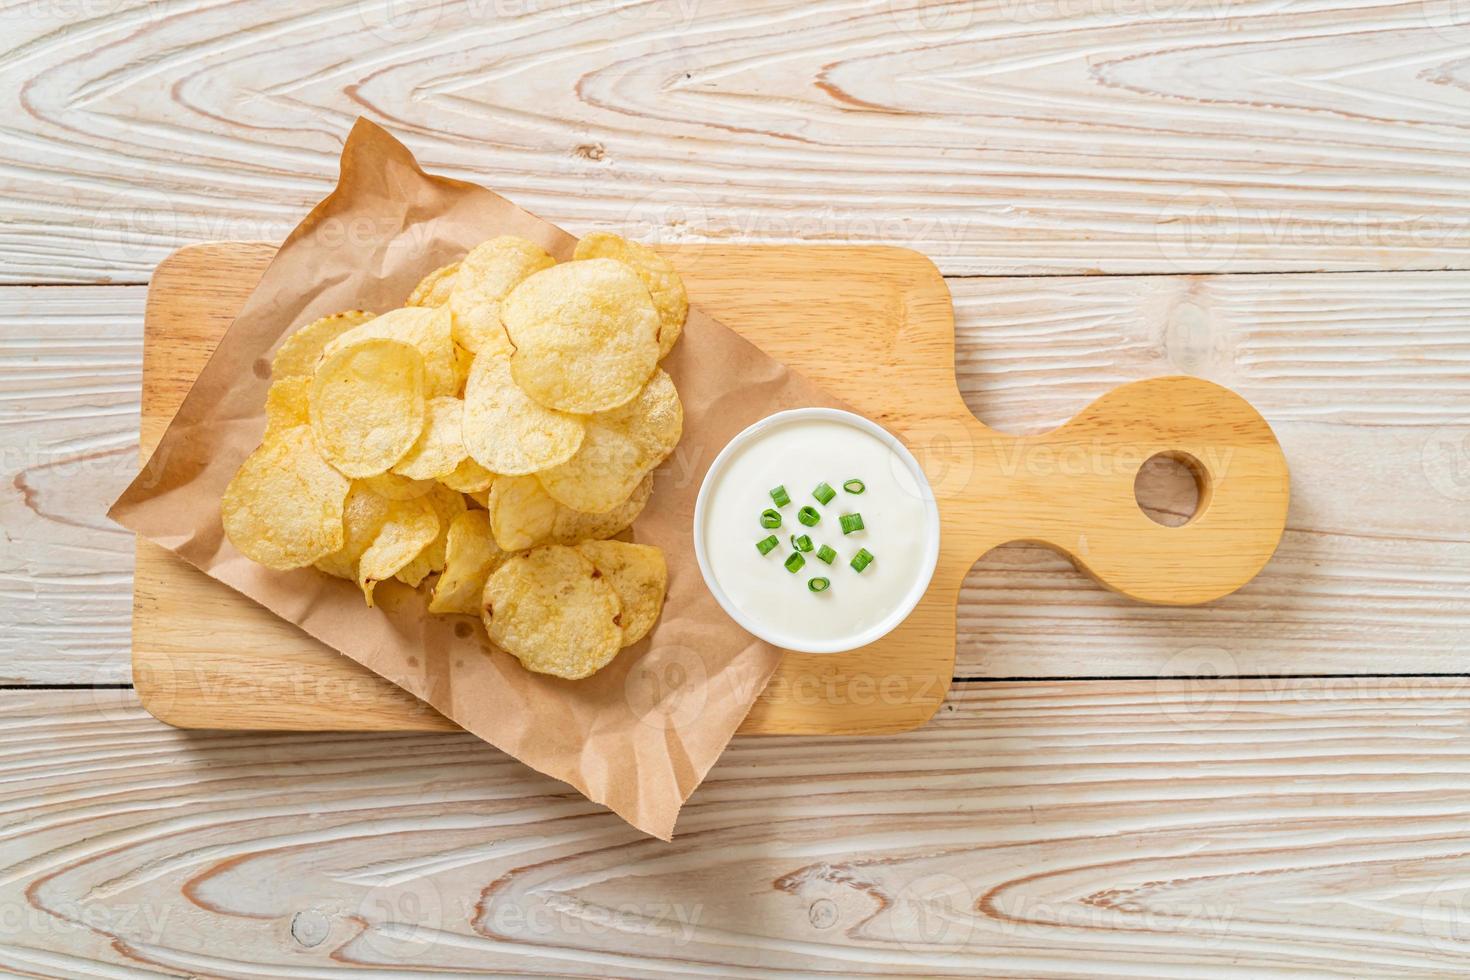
<point>1272,195</point>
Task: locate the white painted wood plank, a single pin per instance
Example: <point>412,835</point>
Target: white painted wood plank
<point>70,370</point>
<point>1348,350</point>
<point>1002,137</point>
<point>1141,829</point>
<point>1365,377</point>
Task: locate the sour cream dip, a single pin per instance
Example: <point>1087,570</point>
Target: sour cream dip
<point>800,450</point>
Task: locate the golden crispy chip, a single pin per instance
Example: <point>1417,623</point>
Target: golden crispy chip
<point>481,497</point>
<point>599,477</point>
<point>440,447</point>
<point>551,610</point>
<point>468,477</point>
<point>639,575</point>
<point>447,506</point>
<point>507,432</point>
<point>463,361</point>
<point>585,333</point>
<point>487,275</point>
<point>471,554</point>
<point>521,513</point>
<point>286,404</point>
<point>657,273</point>
<point>434,289</point>
<point>411,525</point>
<point>362,519</point>
<point>367,406</point>
<point>395,487</point>
<point>283,507</point>
<point>369,505</point>
<point>620,448</point>
<point>573,526</point>
<point>302,351</point>
<point>425,329</point>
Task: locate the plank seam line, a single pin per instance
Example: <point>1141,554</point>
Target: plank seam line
<point>1194,677</point>
<point>957,276</point>
<point>66,687</point>
<point>1202,274</point>
<point>955,680</point>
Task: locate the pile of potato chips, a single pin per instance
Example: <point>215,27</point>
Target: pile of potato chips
<point>496,431</point>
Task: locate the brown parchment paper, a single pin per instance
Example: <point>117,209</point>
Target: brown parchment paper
<point>638,736</point>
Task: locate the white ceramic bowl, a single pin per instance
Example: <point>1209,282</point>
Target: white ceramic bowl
<point>771,633</point>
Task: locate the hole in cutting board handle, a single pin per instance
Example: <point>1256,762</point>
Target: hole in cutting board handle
<point>1172,488</point>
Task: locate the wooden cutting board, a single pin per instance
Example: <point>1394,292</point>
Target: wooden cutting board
<point>874,326</point>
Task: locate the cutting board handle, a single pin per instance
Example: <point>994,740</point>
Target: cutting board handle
<point>1073,489</point>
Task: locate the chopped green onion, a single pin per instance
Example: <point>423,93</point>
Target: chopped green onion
<point>767,545</point>
<point>824,493</point>
<point>854,486</point>
<point>818,584</point>
<point>780,496</point>
<point>851,523</point>
<point>770,519</point>
<point>803,543</point>
<point>826,554</point>
<point>794,561</point>
<point>809,516</point>
<point>860,561</point>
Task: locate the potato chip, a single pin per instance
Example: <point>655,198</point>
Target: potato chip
<point>640,577</point>
<point>440,447</point>
<point>585,333</point>
<point>286,404</point>
<point>447,506</point>
<point>394,487</point>
<point>362,519</point>
<point>463,361</point>
<point>471,554</point>
<point>551,610</point>
<point>522,515</point>
<point>422,566</point>
<point>573,526</point>
<point>433,290</point>
<point>411,525</point>
<point>367,406</point>
<point>283,507</point>
<point>302,351</point>
<point>508,433</point>
<point>468,477</point>
<point>486,276</point>
<point>620,448</point>
<point>657,273</point>
<point>425,329</point>
<point>369,505</point>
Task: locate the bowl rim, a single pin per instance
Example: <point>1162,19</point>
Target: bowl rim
<point>931,529</point>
